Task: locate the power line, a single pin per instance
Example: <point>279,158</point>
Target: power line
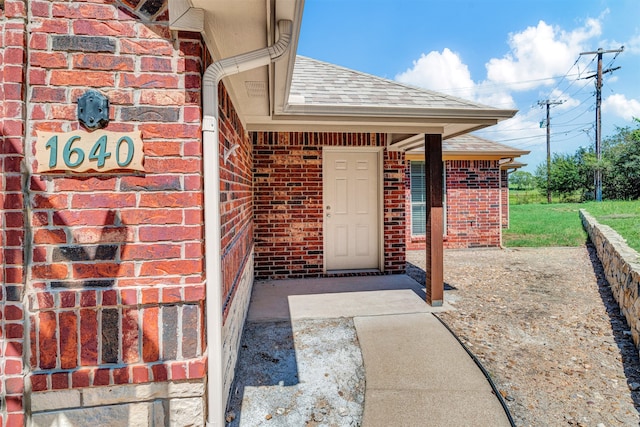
<point>548,104</point>
<point>598,75</point>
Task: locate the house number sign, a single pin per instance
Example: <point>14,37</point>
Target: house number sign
<point>81,151</point>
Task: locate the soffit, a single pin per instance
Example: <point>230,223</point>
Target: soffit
<point>233,27</point>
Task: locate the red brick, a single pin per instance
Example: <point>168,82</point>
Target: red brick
<point>130,353</point>
<point>88,298</point>
<point>47,340</point>
<point>151,216</point>
<point>14,386</point>
<point>15,74</point>
<point>163,97</point>
<point>102,62</point>
<point>38,41</point>
<point>154,165</point>
<point>152,63</point>
<point>120,96</point>
<point>102,377</point>
<point>140,374</point>
<point>68,340</point>
<point>39,382</point>
<point>197,369</point>
<point>52,26</point>
<point>81,378</point>
<point>82,78</point>
<point>149,252</point>
<point>83,10</point>
<point>67,299</point>
<point>170,295</point>
<point>59,380</point>
<point>63,112</point>
<point>121,375</point>
<point>150,80</point>
<point>170,200</point>
<point>49,59</point>
<point>159,373</point>
<point>177,130</point>
<point>150,295</point>
<point>109,297</point>
<point>109,200</point>
<point>88,337</point>
<point>15,420</point>
<point>150,337</point>
<point>169,233</point>
<point>12,367</point>
<point>194,293</point>
<point>178,371</point>
<point>48,94</point>
<point>97,270</point>
<point>49,271</point>
<point>84,217</point>
<point>39,8</point>
<point>103,28</point>
<point>12,312</point>
<point>45,300</point>
<point>179,267</point>
<point>145,47</point>
<point>14,331</point>
<point>163,148</point>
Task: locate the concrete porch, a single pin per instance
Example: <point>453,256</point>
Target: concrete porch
<point>415,371</point>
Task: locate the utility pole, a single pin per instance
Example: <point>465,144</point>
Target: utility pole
<point>549,104</point>
<point>598,75</point>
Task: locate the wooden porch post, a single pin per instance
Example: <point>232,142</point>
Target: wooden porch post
<point>434,232</point>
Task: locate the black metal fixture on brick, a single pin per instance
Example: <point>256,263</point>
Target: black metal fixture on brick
<point>93,110</point>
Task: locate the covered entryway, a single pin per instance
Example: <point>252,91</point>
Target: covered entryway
<point>351,203</point>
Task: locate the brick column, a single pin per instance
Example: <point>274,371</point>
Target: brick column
<point>12,218</point>
<point>434,211</point>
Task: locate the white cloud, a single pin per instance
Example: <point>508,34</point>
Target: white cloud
<point>538,53</point>
<point>633,45</point>
<point>441,72</point>
<point>620,106</point>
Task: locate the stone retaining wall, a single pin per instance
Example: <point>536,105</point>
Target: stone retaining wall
<point>621,267</point>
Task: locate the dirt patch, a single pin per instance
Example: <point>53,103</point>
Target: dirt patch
<point>544,324</point>
<point>309,373</point>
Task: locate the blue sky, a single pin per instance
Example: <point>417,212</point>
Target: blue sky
<point>502,53</point>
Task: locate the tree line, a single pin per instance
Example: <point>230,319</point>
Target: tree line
<point>572,175</point>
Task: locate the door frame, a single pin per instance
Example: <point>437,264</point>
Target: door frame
<point>379,151</point>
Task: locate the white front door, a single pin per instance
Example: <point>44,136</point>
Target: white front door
<point>351,205</point>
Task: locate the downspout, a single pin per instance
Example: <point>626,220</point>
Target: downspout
<point>212,234</point>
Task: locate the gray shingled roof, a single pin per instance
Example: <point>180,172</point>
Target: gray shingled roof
<point>318,83</point>
<point>474,144</point>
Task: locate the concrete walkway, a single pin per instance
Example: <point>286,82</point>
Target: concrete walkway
<point>417,374</point>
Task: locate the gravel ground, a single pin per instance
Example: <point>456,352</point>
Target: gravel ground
<point>309,373</point>
<point>544,324</point>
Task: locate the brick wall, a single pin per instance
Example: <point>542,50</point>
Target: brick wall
<point>288,202</point>
<point>472,205</point>
<point>12,216</point>
<point>116,291</point>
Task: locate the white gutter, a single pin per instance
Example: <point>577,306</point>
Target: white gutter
<point>212,235</point>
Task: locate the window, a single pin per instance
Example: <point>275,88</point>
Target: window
<point>418,201</point>
<point>418,198</point>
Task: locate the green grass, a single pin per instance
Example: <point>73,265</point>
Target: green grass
<point>622,216</point>
<point>537,225</point>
